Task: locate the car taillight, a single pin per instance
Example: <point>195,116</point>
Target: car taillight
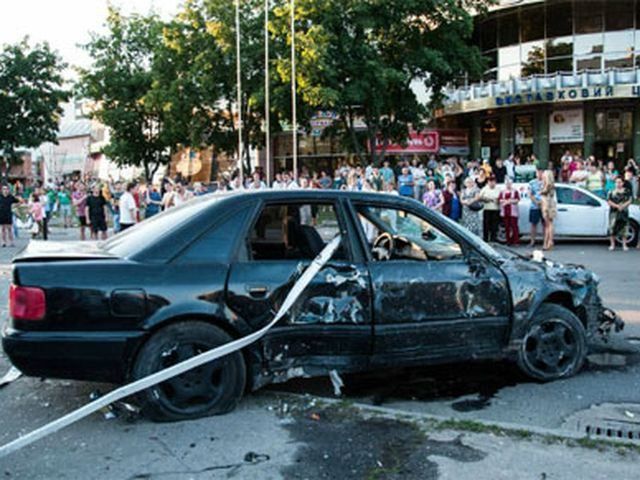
<point>26,303</point>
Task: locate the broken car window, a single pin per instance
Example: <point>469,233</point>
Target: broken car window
<point>295,231</point>
<point>398,234</point>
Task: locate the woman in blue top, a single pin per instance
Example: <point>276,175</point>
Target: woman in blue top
<point>153,201</point>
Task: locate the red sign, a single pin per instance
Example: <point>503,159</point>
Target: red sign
<point>427,141</point>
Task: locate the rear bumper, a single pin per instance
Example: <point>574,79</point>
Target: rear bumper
<point>92,356</point>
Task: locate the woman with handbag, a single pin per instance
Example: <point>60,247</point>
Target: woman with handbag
<point>471,207</point>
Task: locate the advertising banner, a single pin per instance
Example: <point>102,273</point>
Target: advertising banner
<point>427,141</point>
<point>566,126</point>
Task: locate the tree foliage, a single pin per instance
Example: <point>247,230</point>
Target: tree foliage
<point>360,58</point>
<point>165,84</point>
<point>120,82</point>
<point>31,93</point>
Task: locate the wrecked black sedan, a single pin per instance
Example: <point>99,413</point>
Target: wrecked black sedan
<point>405,287</point>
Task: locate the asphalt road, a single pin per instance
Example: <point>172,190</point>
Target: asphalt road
<point>276,435</point>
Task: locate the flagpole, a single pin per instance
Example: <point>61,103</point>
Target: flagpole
<point>267,108</point>
<point>293,92</point>
<point>239,86</point>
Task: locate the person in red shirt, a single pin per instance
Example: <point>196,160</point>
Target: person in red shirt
<point>509,199</point>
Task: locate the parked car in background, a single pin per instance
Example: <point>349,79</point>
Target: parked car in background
<point>581,214</point>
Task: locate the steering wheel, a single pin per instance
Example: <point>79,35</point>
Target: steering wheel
<point>383,246</point>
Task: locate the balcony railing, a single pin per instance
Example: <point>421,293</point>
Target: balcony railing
<point>539,83</point>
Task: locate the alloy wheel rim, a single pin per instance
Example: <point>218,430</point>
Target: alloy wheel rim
<point>551,348</point>
<point>196,390</point>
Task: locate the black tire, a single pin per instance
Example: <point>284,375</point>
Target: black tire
<point>633,231</point>
<point>211,389</point>
<point>554,345</point>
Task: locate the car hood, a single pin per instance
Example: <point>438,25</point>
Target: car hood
<point>37,251</point>
<point>572,275</point>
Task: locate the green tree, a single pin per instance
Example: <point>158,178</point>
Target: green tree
<point>120,82</point>
<point>360,57</point>
<point>31,92</point>
<point>199,74</point>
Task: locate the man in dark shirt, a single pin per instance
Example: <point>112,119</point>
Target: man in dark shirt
<point>96,213</point>
<point>6,215</point>
<point>500,171</point>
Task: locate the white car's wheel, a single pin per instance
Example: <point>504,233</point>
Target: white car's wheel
<point>631,233</point>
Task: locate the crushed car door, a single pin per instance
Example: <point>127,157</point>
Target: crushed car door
<point>330,325</point>
<point>434,296</point>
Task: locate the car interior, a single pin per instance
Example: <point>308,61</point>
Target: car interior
<point>293,232</point>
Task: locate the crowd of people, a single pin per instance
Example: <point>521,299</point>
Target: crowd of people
<point>90,204</point>
<point>479,194</point>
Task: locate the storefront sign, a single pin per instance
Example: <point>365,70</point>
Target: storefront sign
<point>321,120</point>
<point>454,142</point>
<point>426,141</point>
<point>566,126</point>
<point>575,94</point>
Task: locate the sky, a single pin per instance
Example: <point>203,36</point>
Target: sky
<point>67,23</point>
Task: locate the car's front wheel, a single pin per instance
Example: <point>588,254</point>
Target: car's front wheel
<point>554,345</point>
<point>210,389</point>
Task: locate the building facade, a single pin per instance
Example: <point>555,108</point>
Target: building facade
<point>561,75</point>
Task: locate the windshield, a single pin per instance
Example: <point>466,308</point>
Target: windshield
<point>139,237</point>
<point>472,238</point>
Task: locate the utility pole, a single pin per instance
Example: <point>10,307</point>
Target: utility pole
<point>239,86</point>
<point>293,91</point>
<point>267,109</point>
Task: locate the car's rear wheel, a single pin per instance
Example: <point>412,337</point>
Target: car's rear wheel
<point>632,232</point>
<point>554,345</point>
<point>210,389</point>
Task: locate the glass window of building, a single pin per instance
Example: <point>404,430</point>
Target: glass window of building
<point>618,15</point>
<point>618,60</point>
<point>589,62</point>
<point>489,34</point>
<point>559,19</point>
<point>532,55</point>
<point>614,124</point>
<point>560,47</point>
<point>621,41</point>
<point>509,56</point>
<point>492,59</point>
<point>508,72</point>
<point>586,44</point>
<point>560,65</point>
<point>532,25</point>
<point>509,29</point>
<point>589,16</point>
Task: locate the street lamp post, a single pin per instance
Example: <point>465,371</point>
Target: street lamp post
<point>266,92</point>
<point>293,91</point>
<point>239,86</point>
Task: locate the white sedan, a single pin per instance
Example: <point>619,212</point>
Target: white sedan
<point>581,214</point>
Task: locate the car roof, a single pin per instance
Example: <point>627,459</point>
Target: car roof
<point>311,194</point>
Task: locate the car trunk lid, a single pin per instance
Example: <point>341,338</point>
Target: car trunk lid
<point>39,251</point>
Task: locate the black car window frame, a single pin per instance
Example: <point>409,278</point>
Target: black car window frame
<point>466,247</point>
<point>243,254</point>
